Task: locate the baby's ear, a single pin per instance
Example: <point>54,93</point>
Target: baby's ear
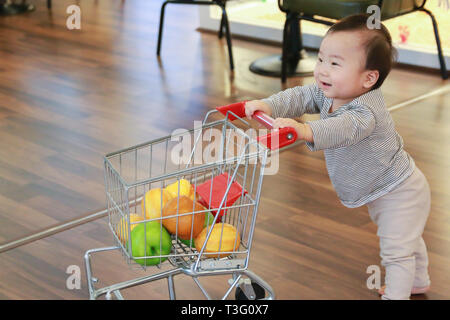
<point>370,78</point>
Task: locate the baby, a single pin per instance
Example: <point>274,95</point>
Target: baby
<point>364,153</point>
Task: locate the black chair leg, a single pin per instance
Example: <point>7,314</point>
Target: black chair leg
<point>228,36</point>
<point>221,4</point>
<point>444,72</point>
<point>49,4</point>
<point>284,50</point>
<point>161,23</point>
<point>292,45</point>
<point>222,26</point>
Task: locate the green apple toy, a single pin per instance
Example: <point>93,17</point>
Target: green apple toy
<point>150,239</point>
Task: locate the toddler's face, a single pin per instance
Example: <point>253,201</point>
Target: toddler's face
<point>340,69</point>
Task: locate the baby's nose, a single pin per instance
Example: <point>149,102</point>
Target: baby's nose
<point>323,71</point>
<point>320,70</point>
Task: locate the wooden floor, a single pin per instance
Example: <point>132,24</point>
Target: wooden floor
<point>69,97</point>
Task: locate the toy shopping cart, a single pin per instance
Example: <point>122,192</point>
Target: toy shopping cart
<point>190,199</point>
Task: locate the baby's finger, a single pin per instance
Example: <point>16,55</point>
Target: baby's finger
<point>276,124</point>
<point>281,123</point>
<point>248,111</point>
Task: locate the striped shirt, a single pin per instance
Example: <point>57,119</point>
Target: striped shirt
<point>364,153</point>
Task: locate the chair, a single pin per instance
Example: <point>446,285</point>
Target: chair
<point>8,8</point>
<point>224,25</point>
<point>295,61</point>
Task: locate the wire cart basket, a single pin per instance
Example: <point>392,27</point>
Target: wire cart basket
<point>190,199</point>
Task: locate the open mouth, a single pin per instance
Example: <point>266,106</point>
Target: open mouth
<point>325,84</point>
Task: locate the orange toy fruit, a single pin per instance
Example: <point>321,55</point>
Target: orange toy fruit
<point>185,222</point>
<point>228,240</point>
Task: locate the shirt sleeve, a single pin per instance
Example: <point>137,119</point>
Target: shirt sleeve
<point>342,130</point>
<point>294,102</point>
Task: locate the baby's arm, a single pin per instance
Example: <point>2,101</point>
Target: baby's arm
<point>295,102</point>
<point>304,131</point>
<point>255,105</point>
<point>335,132</point>
<point>349,128</point>
<point>290,103</point>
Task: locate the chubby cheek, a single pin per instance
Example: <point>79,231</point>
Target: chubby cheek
<point>339,80</point>
<point>316,75</point>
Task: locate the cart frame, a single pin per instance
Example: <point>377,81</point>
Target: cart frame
<point>186,260</point>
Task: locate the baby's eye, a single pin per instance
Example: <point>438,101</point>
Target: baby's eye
<point>334,64</point>
<point>320,60</point>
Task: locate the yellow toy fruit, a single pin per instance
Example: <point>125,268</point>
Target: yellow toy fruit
<point>153,201</point>
<point>122,227</point>
<point>230,240</point>
<point>186,189</point>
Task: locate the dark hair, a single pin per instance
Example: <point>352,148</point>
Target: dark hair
<point>380,54</point>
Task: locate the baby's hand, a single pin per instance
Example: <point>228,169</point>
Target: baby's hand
<point>255,105</point>
<point>285,122</point>
<point>303,130</point>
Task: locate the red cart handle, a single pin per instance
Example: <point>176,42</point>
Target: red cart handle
<point>275,139</point>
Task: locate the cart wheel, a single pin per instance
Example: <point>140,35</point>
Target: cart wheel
<point>260,293</point>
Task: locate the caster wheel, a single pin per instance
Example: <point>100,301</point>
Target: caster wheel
<point>260,293</point>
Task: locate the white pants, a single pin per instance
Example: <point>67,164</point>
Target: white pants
<point>401,216</point>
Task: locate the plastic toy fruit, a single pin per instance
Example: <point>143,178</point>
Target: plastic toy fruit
<point>152,202</point>
<point>150,239</point>
<point>186,189</point>
<point>228,240</point>
<point>209,219</point>
<point>182,224</point>
<point>122,227</point>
